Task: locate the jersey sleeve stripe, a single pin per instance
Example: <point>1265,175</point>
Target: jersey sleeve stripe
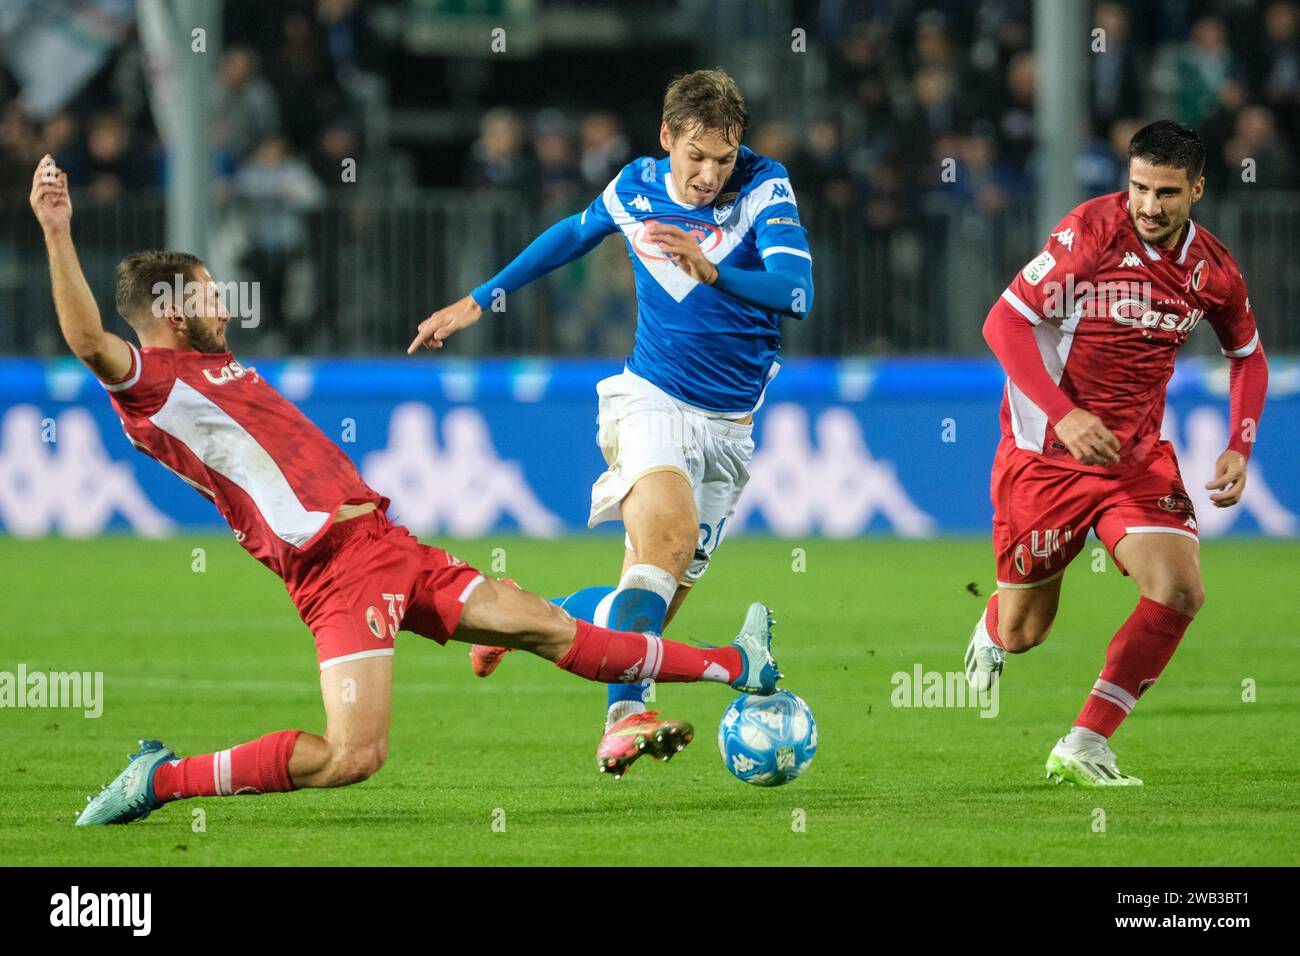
<point>786,250</point>
<point>620,216</point>
<point>132,376</point>
<point>1245,349</point>
<point>1018,304</point>
<point>1187,243</point>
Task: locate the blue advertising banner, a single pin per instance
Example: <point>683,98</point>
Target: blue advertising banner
<point>844,448</point>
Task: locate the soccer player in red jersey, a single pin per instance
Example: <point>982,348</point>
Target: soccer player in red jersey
<point>1087,334</point>
<point>298,505</point>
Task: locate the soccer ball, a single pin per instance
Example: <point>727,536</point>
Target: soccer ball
<point>767,741</point>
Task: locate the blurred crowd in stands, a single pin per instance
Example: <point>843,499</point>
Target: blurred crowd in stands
<point>908,85</point>
<point>960,85</point>
<point>905,80</point>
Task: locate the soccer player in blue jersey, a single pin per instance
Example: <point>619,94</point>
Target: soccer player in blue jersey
<point>720,259</point>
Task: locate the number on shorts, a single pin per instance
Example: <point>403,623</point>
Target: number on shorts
<point>1054,541</point>
<point>396,609</point>
<point>707,535</point>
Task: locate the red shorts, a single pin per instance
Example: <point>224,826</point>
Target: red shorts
<point>1042,512</point>
<point>367,579</point>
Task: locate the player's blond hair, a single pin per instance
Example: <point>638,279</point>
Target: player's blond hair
<point>139,273</point>
<point>707,100</point>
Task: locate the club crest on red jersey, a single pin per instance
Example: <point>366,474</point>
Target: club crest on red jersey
<point>375,621</point>
<point>1195,280</point>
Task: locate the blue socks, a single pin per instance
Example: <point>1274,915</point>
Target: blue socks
<point>639,603</point>
<point>582,604</point>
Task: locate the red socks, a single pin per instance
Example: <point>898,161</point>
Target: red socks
<point>1137,654</point>
<point>991,620</point>
<point>614,657</point>
<point>259,766</point>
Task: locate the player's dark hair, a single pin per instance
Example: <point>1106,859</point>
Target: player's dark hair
<point>1166,143</point>
<point>139,273</point>
<point>709,100</point>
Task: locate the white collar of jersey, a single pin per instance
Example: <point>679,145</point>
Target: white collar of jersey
<point>1182,252</point>
<point>1152,253</point>
<point>672,190</point>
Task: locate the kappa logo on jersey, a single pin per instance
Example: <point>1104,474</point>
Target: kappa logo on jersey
<point>229,373</point>
<point>1066,238</point>
<point>779,191</point>
<point>1130,261</point>
<point>707,235</point>
<point>641,203</point>
<point>1038,268</point>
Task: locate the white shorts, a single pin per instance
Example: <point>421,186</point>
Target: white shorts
<point>643,429</point>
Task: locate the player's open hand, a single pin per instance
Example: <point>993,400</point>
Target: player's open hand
<point>434,330</point>
<point>50,200</point>
<point>1089,441</point>
<point>1229,479</point>
<point>681,247</point>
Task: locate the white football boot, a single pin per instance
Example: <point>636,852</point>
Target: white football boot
<point>984,659</point>
<point>1083,758</point>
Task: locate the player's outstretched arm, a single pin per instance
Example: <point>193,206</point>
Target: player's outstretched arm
<point>434,330</point>
<point>568,239</point>
<point>106,354</point>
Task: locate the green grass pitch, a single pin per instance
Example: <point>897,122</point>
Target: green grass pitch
<point>206,660</point>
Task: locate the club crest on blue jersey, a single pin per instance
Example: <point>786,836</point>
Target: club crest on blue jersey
<point>707,236</point>
<point>724,206</point>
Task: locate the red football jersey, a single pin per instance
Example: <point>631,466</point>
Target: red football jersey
<point>222,428</point>
<point>1109,312</point>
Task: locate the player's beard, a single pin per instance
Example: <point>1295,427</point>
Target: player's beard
<point>1162,237</point>
<point>203,338</point>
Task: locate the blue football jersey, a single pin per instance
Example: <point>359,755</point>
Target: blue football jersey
<point>697,343</point>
